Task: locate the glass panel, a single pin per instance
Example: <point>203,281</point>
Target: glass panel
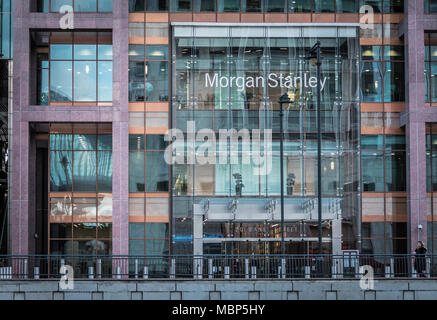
<point>372,142</point>
<point>85,5</point>
<point>156,52</point>
<point>371,52</point>
<point>105,5</point>
<point>299,6</point>
<point>84,230</point>
<point>61,81</point>
<point>324,6</point>
<point>57,4</point>
<point>104,142</point>
<point>276,5</point>
<point>104,230</point>
<point>104,171</point>
<point>228,5</point>
<point>105,51</point>
<point>61,206</point>
<point>136,52</point>
<point>393,6</point>
<point>156,5</point>
<point>371,82</point>
<point>347,6</point>
<point>180,5</point>
<point>84,141</point>
<point>156,172</point>
<point>85,81</point>
<point>136,142</point>
<point>252,6</point>
<point>156,81</point>
<point>84,171</point>
<point>156,230</point>
<point>136,5</point>
<point>136,172</point>
<point>157,247</point>
<point>136,81</point>
<point>136,247</point>
<point>60,230</point>
<point>375,4</point>
<point>61,51</point>
<point>136,231</point>
<point>395,142</point>
<point>395,171</point>
<point>60,171</point>
<point>84,209</point>
<point>393,53</point>
<point>61,247</point>
<point>372,168</point>
<point>155,142</point>
<point>105,81</point>
<point>394,81</point>
<point>60,142</point>
<point>204,5</point>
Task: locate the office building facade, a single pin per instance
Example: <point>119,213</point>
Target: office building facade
<point>91,171</point>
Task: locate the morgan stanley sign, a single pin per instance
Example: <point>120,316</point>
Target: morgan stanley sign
<point>273,80</point>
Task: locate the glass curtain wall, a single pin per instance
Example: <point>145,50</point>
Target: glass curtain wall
<point>232,81</point>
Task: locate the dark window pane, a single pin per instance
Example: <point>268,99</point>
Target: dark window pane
<point>394,86</point>
<point>136,231</point>
<point>136,247</point>
<point>180,5</point>
<point>60,171</point>
<point>393,53</point>
<point>372,168</point>
<point>104,142</point>
<point>395,171</point>
<point>372,142</point>
<point>347,6</point>
<point>252,6</point>
<point>104,171</point>
<point>299,6</point>
<point>104,230</point>
<point>136,81</point>
<point>60,230</point>
<point>155,142</point>
<point>136,171</point>
<point>136,142</point>
<point>84,230</point>
<point>157,247</point>
<point>375,4</point>
<point>371,82</point>
<point>157,5</point>
<point>323,6</point>
<point>156,230</point>
<point>393,6</point>
<point>370,52</point>
<point>276,5</point>
<point>204,5</point>
<point>228,5</point>
<point>156,172</point>
<point>136,5</point>
<point>394,142</point>
<point>61,247</point>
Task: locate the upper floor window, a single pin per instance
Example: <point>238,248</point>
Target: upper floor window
<point>293,6</point>
<point>75,68</point>
<point>430,67</point>
<point>77,5</point>
<point>430,6</point>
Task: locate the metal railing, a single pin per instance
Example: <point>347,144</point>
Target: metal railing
<point>216,266</point>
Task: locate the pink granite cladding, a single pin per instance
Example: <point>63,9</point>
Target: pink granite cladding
<point>23,113</point>
<point>415,122</point>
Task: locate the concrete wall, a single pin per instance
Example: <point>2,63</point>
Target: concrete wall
<point>390,289</point>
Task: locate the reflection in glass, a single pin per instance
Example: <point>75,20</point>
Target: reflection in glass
<point>85,81</point>
<point>61,89</point>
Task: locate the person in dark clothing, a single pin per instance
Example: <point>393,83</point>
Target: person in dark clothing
<point>419,259</point>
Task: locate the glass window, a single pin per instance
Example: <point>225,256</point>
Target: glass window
<point>136,5</point>
<point>84,52</point>
<point>375,4</point>
<point>57,4</point>
<point>85,5</point>
<point>372,142</point>
<point>105,5</point>
<point>180,5</point>
<point>300,6</point>
<point>324,6</point>
<point>252,6</point>
<point>393,53</point>
<point>156,5</point>
<point>156,172</point>
<point>393,142</point>
<point>228,5</point>
<point>347,6</point>
<point>61,81</point>
<point>136,172</point>
<point>394,81</point>
<point>61,171</point>
<point>156,81</point>
<point>155,142</point>
<point>157,52</point>
<point>157,247</point>
<point>393,6</point>
<point>156,230</point>
<point>204,5</point>
<point>395,171</point>
<point>372,168</point>
<point>85,81</point>
<point>136,142</point>
<point>276,5</point>
<point>136,81</point>
<point>371,53</point>
<point>61,52</point>
<point>84,169</point>
<point>136,230</point>
<point>371,82</point>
